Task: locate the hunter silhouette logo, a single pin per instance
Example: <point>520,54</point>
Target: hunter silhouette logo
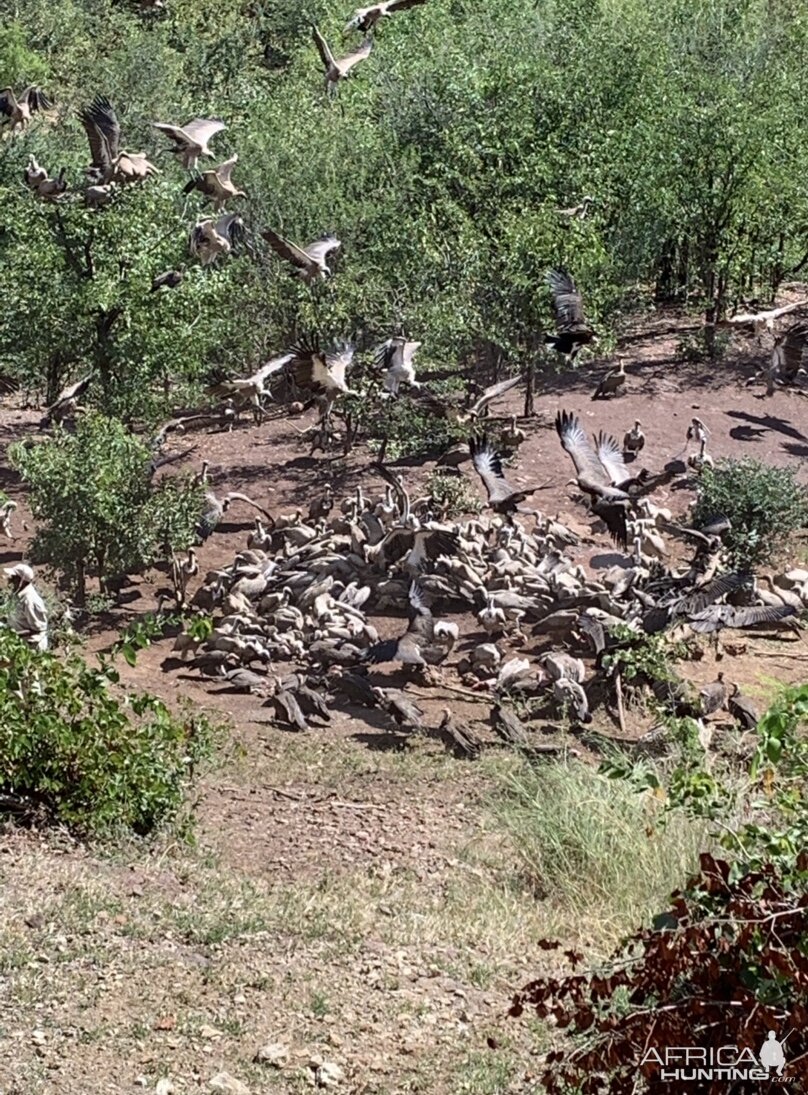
<point>731,1063</point>
<point>771,1053</point>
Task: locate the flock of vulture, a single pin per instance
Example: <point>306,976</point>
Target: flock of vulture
<point>293,614</point>
<point>497,609</point>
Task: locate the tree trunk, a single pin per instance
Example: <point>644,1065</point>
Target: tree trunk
<point>530,388</point>
<point>81,584</point>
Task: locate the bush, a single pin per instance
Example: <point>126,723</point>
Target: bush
<point>764,503</point>
<point>72,751</point>
<point>453,495</point>
<point>98,509</point>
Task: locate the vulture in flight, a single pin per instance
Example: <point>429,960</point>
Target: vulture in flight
<point>319,372</point>
<point>396,357</point>
<point>17,111</point>
<point>217,184</point>
<point>192,139</point>
<point>365,19</point>
<point>450,407</point>
<point>310,260</point>
<point>405,540</point>
<point>502,497</point>
<point>573,331</point>
<point>109,162</point>
<point>211,238</point>
<point>338,70</point>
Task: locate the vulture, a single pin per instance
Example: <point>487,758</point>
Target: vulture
<point>216,184</point>
<point>52,189</point>
<point>67,401</point>
<point>211,238</point>
<point>215,509</point>
<point>396,356</point>
<point>463,743</point>
<point>405,540</point>
<point>697,431</point>
<point>109,163</point>
<point>763,321</point>
<point>634,439</point>
<point>251,389</point>
<point>573,331</point>
<point>423,643</point>
<point>319,372</point>
<point>787,356</point>
<point>16,112</point>
<point>578,212</point>
<point>192,139</point>
<point>742,709</point>
<point>502,497</point>
<point>713,696</point>
<point>309,260</point>
<point>365,19</point>
<point>717,617</point>
<point>169,279</point>
<point>612,382</point>
<point>599,474</point>
<point>406,714</point>
<point>338,70</point>
<point>448,407</point>
<point>34,174</point>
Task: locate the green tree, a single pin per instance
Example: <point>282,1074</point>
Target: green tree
<point>98,509</point>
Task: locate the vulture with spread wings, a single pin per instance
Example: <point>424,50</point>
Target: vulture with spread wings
<point>217,184</point>
<point>365,19</point>
<point>396,356</point>
<point>422,644</point>
<point>573,331</point>
<point>502,497</point>
<point>336,70</point>
<point>250,390</point>
<point>109,162</point>
<point>17,111</point>
<point>599,474</point>
<point>192,139</point>
<point>310,260</point>
<point>211,238</point>
<point>450,406</point>
<point>319,372</point>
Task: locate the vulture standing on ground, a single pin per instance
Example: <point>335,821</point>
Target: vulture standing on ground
<point>67,401</point>
<point>217,184</point>
<point>612,382</point>
<point>502,497</point>
<point>365,19</point>
<point>16,112</point>
<point>573,331</point>
<point>338,70</point>
<point>634,439</point>
<point>110,163</point>
<point>310,260</point>
<point>742,709</point>
<point>787,356</point>
<point>192,139</point>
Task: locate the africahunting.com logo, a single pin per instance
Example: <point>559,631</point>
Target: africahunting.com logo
<point>680,1064</point>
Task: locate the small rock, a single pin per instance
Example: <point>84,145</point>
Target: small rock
<point>207,1031</point>
<point>228,1084</point>
<point>329,1074</point>
<point>273,1053</point>
<point>38,1037</point>
<point>164,1087</point>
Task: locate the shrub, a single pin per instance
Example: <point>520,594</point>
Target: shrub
<point>452,494</point>
<point>81,757</point>
<point>764,503</point>
<point>99,510</point>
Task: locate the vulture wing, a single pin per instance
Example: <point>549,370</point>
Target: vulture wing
<point>492,393</point>
<point>488,465</point>
<point>611,457</point>
<point>402,5</point>
<point>591,473</point>
<point>7,101</point>
<point>200,130</point>
<point>567,303</point>
<point>351,59</point>
<point>271,367</point>
<point>289,251</point>
<point>321,248</point>
<point>708,594</point>
<point>390,477</point>
<point>174,133</point>
<point>103,132</point>
<point>789,350</point>
<point>36,99</point>
<point>326,56</point>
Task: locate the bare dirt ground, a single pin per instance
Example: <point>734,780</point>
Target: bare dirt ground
<point>347,901</point>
